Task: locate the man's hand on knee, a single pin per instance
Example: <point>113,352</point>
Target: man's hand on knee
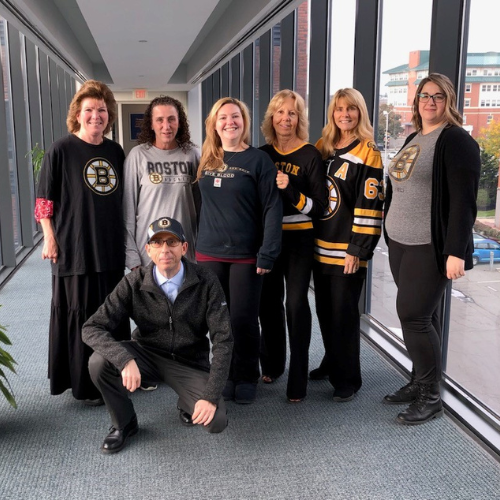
<point>204,412</point>
<point>131,376</point>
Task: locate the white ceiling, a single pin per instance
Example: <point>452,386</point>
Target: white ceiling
<point>182,38</point>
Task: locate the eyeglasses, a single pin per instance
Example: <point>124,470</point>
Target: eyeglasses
<point>171,242</point>
<point>435,97</point>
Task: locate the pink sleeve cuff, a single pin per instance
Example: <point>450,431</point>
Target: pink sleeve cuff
<point>44,209</point>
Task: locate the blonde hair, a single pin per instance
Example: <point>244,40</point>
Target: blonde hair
<point>212,156</point>
<point>275,104</point>
<point>331,133</point>
<point>91,89</point>
<point>453,117</point>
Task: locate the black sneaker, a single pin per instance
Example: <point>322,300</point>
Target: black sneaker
<point>147,387</point>
<point>343,395</point>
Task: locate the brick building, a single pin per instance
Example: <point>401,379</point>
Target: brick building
<point>482,88</point>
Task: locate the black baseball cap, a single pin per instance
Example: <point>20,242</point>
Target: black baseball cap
<point>166,225</point>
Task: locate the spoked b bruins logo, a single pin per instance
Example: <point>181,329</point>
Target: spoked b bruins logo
<point>100,176</point>
<point>333,199</point>
<point>401,167</point>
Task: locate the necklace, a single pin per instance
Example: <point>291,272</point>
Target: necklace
<point>225,165</point>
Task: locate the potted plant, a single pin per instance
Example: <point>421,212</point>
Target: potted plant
<point>37,154</point>
<point>6,361</point>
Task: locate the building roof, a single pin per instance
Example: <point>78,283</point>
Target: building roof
<point>474,59</point>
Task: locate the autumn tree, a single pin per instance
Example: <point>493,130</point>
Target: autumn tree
<point>489,141</point>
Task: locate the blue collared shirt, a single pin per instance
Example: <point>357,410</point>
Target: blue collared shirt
<point>170,287</point>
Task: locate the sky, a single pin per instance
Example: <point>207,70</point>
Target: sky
<point>406,27</point>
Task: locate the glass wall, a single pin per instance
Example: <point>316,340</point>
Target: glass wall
<point>403,62</point>
<point>27,117</point>
<point>11,146</point>
<point>343,20</point>
<point>474,339</point>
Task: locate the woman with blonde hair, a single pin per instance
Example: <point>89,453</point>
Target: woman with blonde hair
<point>301,181</point>
<point>79,206</point>
<point>429,214</point>
<point>346,235</point>
<point>239,232</point>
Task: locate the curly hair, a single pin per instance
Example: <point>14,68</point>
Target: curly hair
<point>331,133</point>
<point>91,89</point>
<point>212,151</point>
<point>453,117</point>
<point>147,134</point>
<point>274,104</point>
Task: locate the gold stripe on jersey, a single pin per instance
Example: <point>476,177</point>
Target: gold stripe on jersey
<point>302,202</point>
<point>327,244</point>
<point>374,159</point>
<point>366,230</point>
<point>337,262</point>
<point>299,226</point>
<point>368,213</point>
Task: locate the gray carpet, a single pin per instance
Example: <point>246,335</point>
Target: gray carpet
<point>49,447</point>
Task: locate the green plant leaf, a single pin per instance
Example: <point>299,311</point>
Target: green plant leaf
<point>8,396</point>
<point>3,336</point>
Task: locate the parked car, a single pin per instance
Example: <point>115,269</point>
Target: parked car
<point>478,237</point>
<point>482,249</point>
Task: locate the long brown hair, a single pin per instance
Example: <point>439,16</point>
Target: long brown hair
<point>453,117</point>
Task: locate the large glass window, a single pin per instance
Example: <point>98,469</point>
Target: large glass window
<point>404,62</point>
<point>276,58</point>
<point>474,340</point>
<point>10,132</point>
<point>342,44</point>
<point>302,51</point>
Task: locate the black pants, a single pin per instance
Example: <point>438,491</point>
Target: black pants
<point>242,287</point>
<point>337,299</point>
<point>188,382</point>
<point>420,291</point>
<point>293,268</point>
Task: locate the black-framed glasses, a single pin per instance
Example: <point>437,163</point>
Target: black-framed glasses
<point>435,97</point>
<point>171,242</point>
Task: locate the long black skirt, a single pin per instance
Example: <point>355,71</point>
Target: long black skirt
<point>74,300</point>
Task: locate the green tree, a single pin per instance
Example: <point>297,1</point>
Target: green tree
<point>394,127</point>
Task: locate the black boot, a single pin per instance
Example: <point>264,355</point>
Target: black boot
<point>427,406</point>
<point>407,394</point>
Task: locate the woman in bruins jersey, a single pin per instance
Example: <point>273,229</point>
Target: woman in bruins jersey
<point>346,236</point>
<point>301,181</point>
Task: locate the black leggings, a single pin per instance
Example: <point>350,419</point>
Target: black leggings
<point>420,291</point>
<point>337,299</point>
<point>294,267</point>
<point>242,287</point>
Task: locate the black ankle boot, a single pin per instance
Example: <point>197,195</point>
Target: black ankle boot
<point>405,395</point>
<point>427,406</point>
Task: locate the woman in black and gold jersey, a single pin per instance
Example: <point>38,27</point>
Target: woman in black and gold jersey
<point>301,181</point>
<point>346,236</point>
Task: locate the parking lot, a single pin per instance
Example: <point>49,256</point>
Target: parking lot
<point>474,341</point>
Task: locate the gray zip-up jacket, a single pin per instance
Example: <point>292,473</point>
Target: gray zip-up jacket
<point>177,331</point>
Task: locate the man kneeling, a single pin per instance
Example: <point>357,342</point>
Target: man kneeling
<point>174,303</point>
